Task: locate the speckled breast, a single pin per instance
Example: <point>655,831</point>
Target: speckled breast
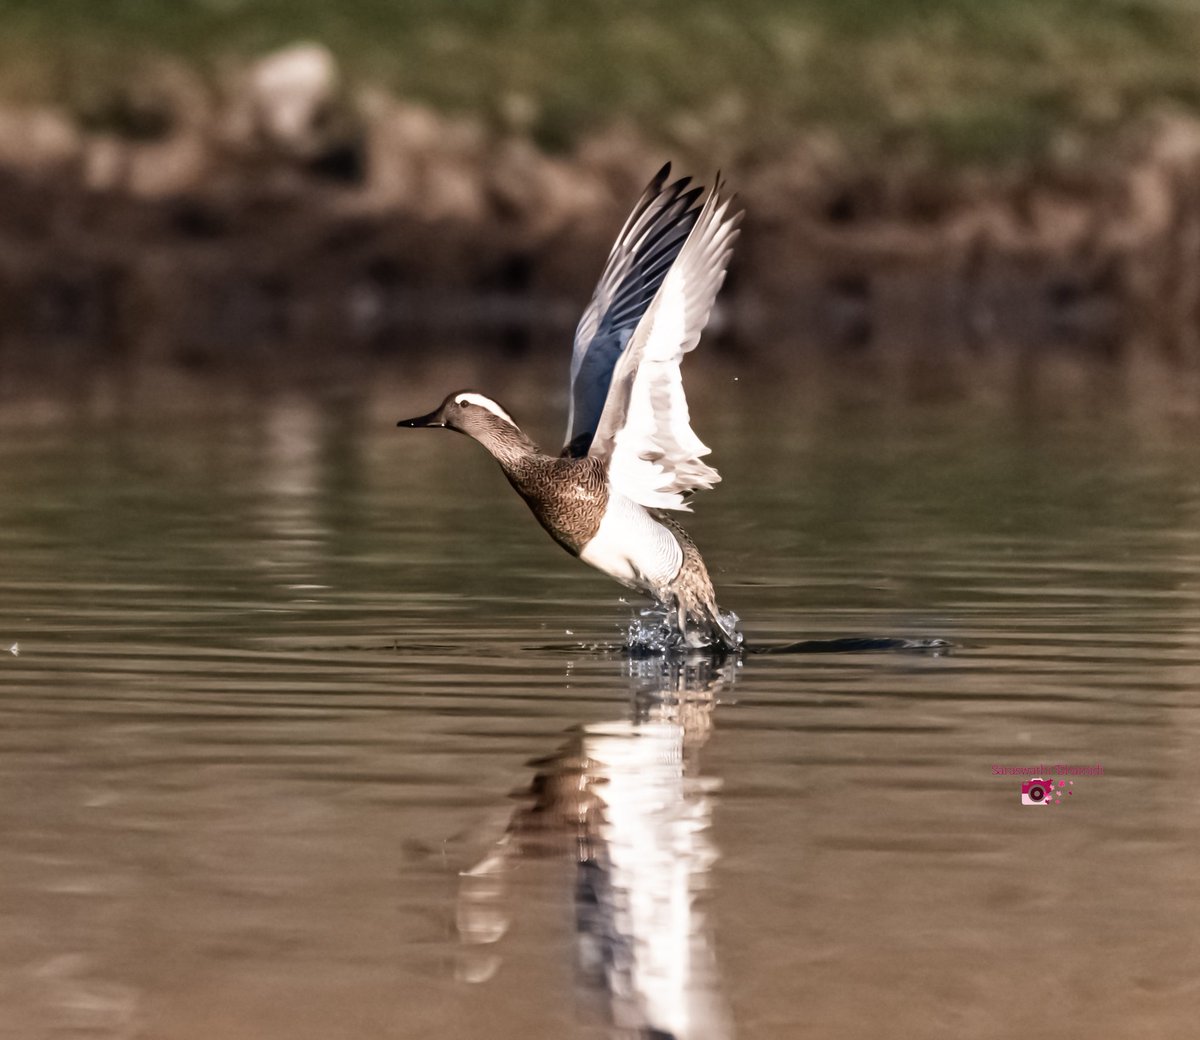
<point>568,496</point>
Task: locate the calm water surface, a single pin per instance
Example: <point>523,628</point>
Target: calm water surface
<point>308,731</point>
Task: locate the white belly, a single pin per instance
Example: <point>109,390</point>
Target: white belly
<point>633,547</point>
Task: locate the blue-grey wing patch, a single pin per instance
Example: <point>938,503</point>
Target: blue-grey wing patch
<point>645,438</point>
<point>642,255</point>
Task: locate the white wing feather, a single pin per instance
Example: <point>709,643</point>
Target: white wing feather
<point>645,434</point>
<point>641,257</point>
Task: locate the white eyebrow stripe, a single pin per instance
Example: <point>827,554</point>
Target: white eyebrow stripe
<point>485,402</point>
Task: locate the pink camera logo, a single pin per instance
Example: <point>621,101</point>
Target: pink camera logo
<point>1036,791</point>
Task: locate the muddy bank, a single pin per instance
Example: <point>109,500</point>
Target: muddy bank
<point>199,224</point>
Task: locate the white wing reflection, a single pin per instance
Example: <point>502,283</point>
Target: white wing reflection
<point>628,800</point>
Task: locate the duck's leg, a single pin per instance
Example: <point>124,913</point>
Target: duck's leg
<point>682,617</point>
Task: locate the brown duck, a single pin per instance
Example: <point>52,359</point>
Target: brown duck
<point>630,452</point>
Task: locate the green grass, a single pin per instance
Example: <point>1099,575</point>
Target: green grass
<point>971,79</point>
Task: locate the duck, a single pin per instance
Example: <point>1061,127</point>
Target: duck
<point>630,460</point>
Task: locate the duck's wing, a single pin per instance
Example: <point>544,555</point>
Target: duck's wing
<point>642,255</point>
<point>644,436</point>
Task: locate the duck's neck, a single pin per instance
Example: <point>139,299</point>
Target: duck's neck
<point>509,447</point>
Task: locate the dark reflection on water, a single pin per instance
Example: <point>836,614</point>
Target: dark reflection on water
<point>627,802</point>
<point>278,670</point>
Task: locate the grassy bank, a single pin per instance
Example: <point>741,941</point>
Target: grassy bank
<point>969,79</point>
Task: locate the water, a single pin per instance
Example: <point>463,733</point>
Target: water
<point>310,732</point>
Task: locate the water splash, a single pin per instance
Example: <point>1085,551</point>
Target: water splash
<point>656,631</point>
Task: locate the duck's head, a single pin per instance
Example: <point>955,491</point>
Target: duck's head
<point>467,412</point>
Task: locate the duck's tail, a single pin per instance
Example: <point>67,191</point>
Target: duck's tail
<point>701,623</point>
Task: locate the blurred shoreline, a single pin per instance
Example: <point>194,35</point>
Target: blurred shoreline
<point>210,226</point>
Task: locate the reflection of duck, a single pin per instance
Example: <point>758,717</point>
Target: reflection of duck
<point>628,796</point>
<point>630,450</point>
